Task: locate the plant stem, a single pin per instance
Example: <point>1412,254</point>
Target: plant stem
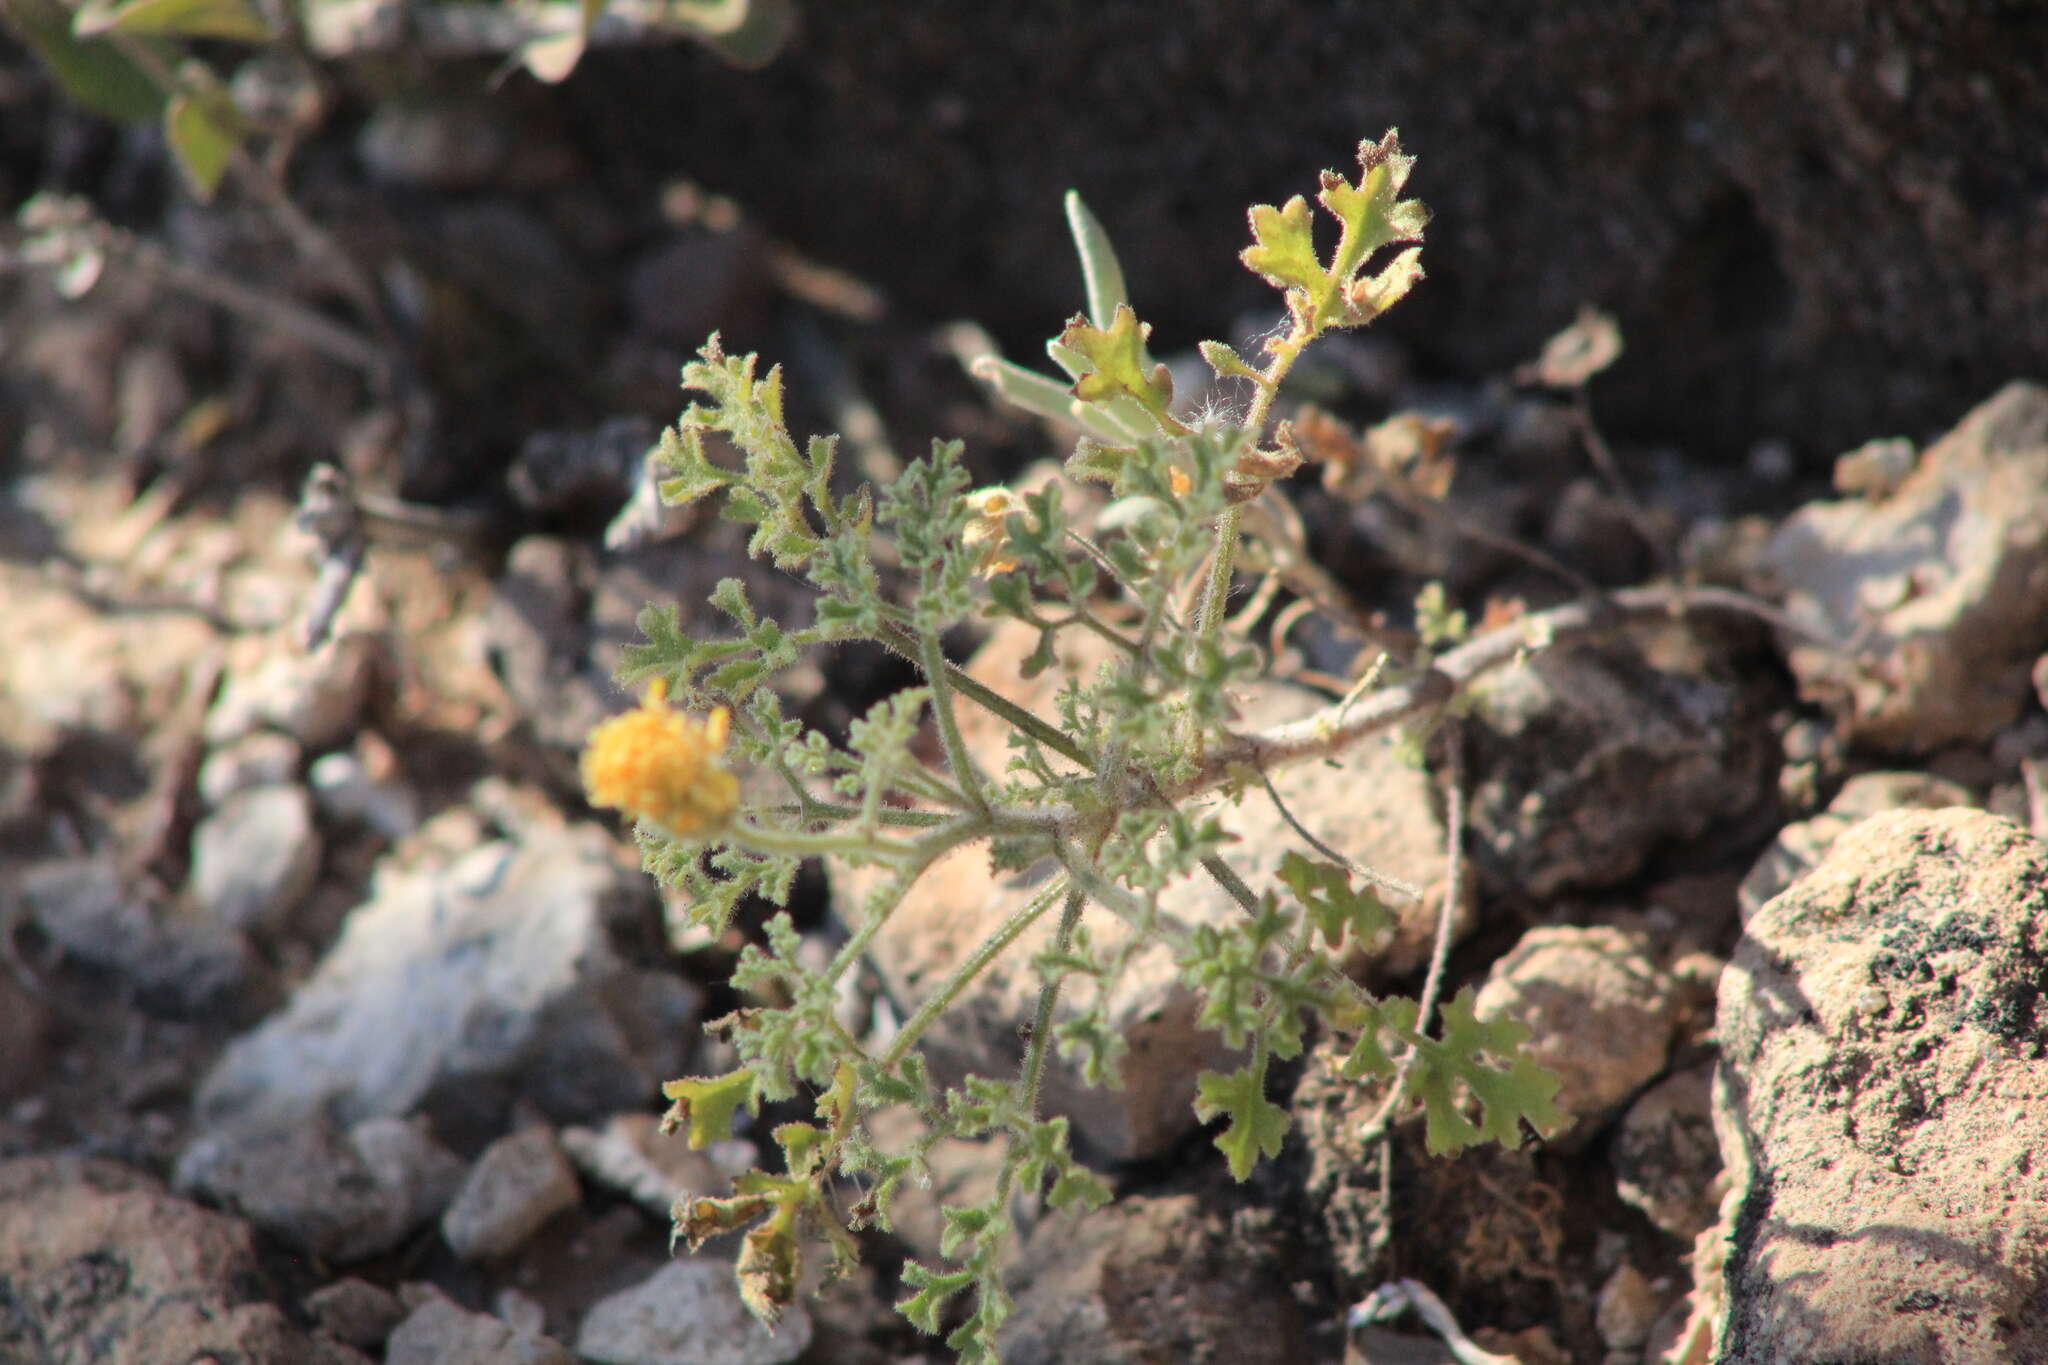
<point>932,660</point>
<point>987,951</point>
<point>1048,999</point>
<point>904,642</point>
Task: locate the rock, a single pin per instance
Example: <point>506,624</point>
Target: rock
<point>355,1311</point>
<point>260,759</point>
<point>571,473</point>
<point>1664,1156</point>
<point>1939,585</point>
<point>692,284</point>
<point>343,1197</point>
<point>1374,805</point>
<point>255,858</point>
<point>1883,1102</point>
<point>1145,1279</point>
<point>519,1182</point>
<point>632,1156</point>
<point>346,791</point>
<point>537,632</point>
<point>1796,210</point>
<point>315,698</point>
<point>1626,1309</point>
<point>1586,760</point>
<point>24,1037</point>
<point>99,1263</point>
<point>1800,846</point>
<point>180,965</point>
<point>437,1332</point>
<point>690,1310</point>
<point>1600,1014</point>
<point>445,145</point>
<point>457,989</point>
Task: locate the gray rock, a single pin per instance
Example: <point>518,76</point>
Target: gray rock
<point>1939,585</point>
<point>1600,1014</point>
<point>255,858</point>
<point>1149,1279</point>
<point>315,698</point>
<point>1883,1103</point>
<point>1665,1159</point>
<point>254,760</point>
<point>437,1332</point>
<point>1587,760</point>
<point>99,1263</point>
<point>340,1196</point>
<point>345,791</point>
<point>355,1311</point>
<point>446,144</point>
<point>180,964</point>
<point>689,1310</point>
<point>519,1182</point>
<point>457,989</point>
<point>24,1038</point>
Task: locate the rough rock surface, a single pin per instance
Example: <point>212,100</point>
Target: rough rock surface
<point>1821,218</point>
<point>1600,1014</point>
<point>1374,805</point>
<point>690,1310</point>
<point>1666,1161</point>
<point>1148,1278</point>
<point>1939,584</point>
<point>455,990</point>
<point>180,964</point>
<point>340,1196</point>
<point>519,1182</point>
<point>1586,760</point>
<point>1799,846</point>
<point>255,858</point>
<point>1883,1103</point>
<point>438,1332</point>
<point>100,1265</point>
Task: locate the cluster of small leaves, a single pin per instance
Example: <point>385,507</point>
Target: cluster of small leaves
<point>1086,793</point>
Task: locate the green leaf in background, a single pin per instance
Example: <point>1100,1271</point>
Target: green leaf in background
<point>237,20</point>
<point>93,72</point>
<point>201,127</point>
<point>747,33</point>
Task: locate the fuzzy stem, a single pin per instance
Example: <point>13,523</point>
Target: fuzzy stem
<point>933,661</point>
<point>987,951</point>
<point>1048,999</point>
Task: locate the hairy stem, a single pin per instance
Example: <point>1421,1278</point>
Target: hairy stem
<point>987,951</point>
<point>1048,999</point>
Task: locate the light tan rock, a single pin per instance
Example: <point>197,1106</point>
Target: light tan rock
<point>1883,1103</point>
<point>1939,583</point>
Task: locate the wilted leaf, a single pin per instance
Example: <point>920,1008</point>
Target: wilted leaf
<point>1575,355</point>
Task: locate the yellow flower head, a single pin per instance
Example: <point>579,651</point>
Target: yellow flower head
<point>661,766</point>
<point>987,531</point>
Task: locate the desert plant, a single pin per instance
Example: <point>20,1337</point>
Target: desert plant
<point>1103,793</point>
